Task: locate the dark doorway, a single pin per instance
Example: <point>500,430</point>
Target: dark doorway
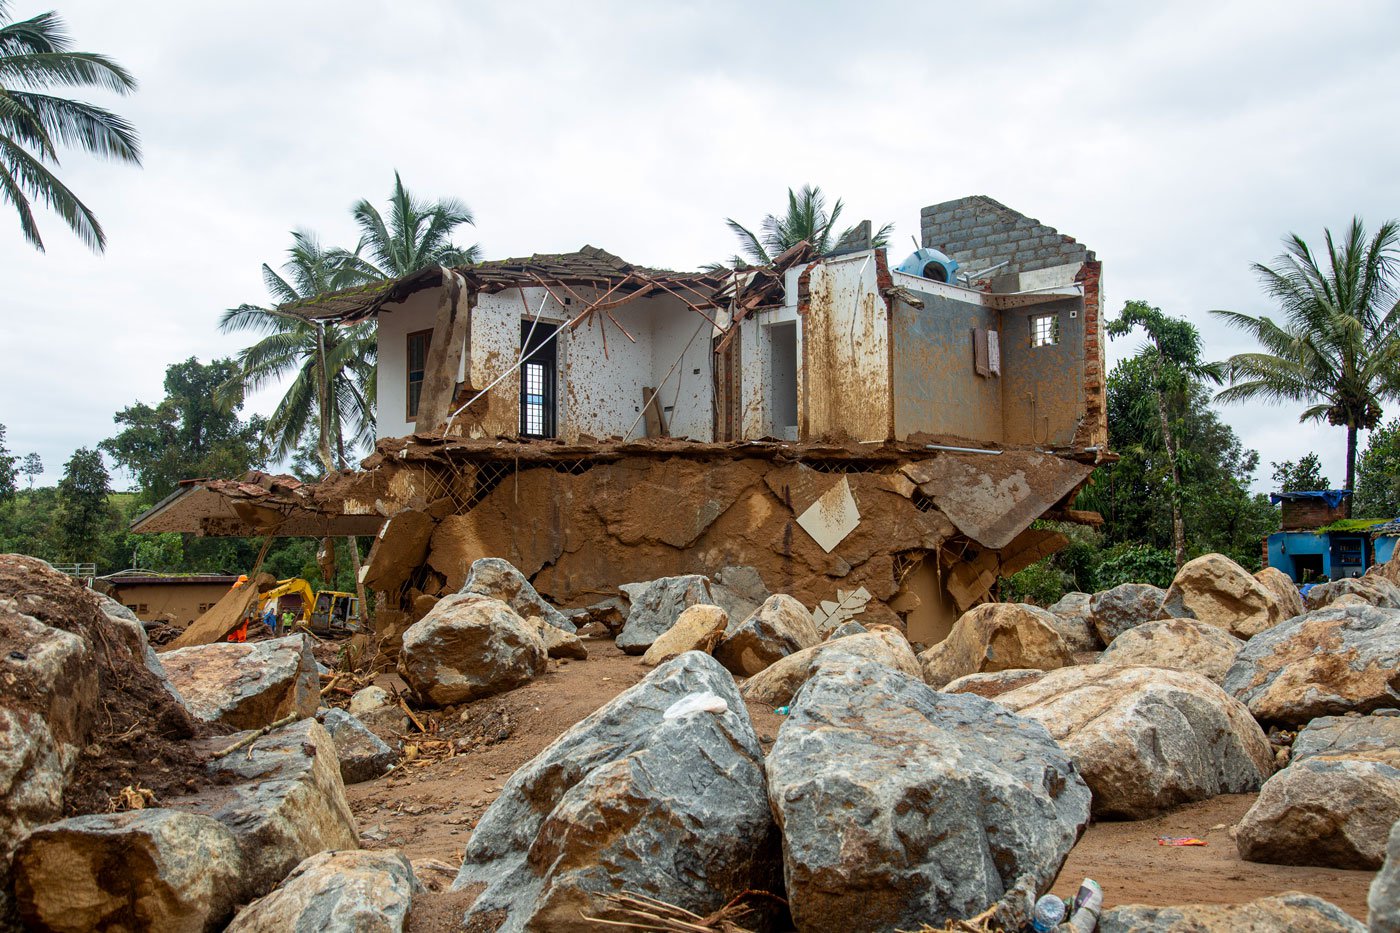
<point>537,379</point>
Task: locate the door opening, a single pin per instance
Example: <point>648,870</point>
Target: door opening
<point>782,368</point>
<point>537,379</point>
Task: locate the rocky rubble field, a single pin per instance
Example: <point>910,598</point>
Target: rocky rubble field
<point>686,757</point>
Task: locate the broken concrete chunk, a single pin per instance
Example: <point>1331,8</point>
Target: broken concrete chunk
<point>901,806</point>
<point>283,799</point>
<point>1290,911</point>
<point>363,755</point>
<point>469,647</point>
<point>1323,663</point>
<point>1178,644</point>
<point>336,892</point>
<point>153,869</point>
<point>996,637</point>
<point>1114,611</point>
<point>1147,739</point>
<point>246,685</point>
<point>832,517</point>
<point>591,813</point>
<point>776,685</point>
<point>699,628</point>
<point>848,604</point>
<point>557,642</point>
<point>498,579</point>
<point>776,629</point>
<point>656,605</point>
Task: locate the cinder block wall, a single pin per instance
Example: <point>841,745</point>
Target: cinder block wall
<point>979,232</point>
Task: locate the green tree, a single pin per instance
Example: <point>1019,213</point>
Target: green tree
<point>35,57</point>
<point>1337,346</point>
<point>83,508</point>
<point>1305,474</point>
<point>806,219</point>
<point>32,466</point>
<point>1378,474</point>
<point>418,233</point>
<point>189,434</point>
<point>332,367</point>
<point>1171,366</point>
<point>7,469</point>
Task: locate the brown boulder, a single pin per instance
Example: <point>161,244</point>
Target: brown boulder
<point>1219,592</point>
<point>774,630</point>
<point>1178,644</point>
<point>699,628</point>
<point>469,647</point>
<point>246,685</point>
<point>996,637</point>
<point>1284,591</point>
<point>995,683</point>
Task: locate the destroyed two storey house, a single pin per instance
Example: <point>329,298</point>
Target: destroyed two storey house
<point>825,426</point>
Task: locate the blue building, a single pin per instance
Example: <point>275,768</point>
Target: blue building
<point>1319,543</point>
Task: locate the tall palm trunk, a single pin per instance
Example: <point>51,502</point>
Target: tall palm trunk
<point>323,440</point>
<point>1178,523</point>
<point>1351,453</point>
<point>352,540</point>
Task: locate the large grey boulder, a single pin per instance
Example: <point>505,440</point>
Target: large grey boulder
<point>496,578</point>
<point>1372,588</point>
<point>1384,899</point>
<point>1294,912</point>
<point>468,647</point>
<point>1147,739</point>
<point>1214,589</point>
<point>1322,663</point>
<point>777,684</point>
<point>738,590</point>
<point>1071,614</point>
<point>902,806</point>
<point>1335,803</point>
<point>774,630</point>
<point>996,637</point>
<point>1354,736</point>
<point>336,892</point>
<point>1179,644</point>
<point>153,869</point>
<point>1113,612</point>
<point>636,797</point>
<point>363,755</point>
<point>656,605</point>
<point>283,799</point>
<point>246,685</point>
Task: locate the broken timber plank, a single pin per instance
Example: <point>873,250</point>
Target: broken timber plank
<point>225,616</point>
<point>444,354</point>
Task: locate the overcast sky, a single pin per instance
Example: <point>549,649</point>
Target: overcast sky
<point>1180,143</point>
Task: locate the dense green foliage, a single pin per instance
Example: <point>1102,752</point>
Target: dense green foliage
<point>36,56</point>
<point>8,471</point>
<point>1303,475</point>
<point>1378,474</point>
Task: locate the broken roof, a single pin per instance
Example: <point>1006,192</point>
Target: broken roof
<point>257,505</point>
<point>587,267</point>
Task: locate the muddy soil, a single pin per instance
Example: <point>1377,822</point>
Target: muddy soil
<point>428,806</point>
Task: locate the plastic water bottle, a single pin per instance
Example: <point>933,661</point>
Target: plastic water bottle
<point>1049,911</point>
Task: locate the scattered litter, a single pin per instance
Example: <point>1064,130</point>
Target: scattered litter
<point>1084,918</point>
<point>781,711</point>
<point>1049,911</point>
<point>696,703</point>
<point>133,797</point>
<point>1180,841</point>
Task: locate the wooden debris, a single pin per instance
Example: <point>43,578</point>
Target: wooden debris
<point>648,913</point>
<point>256,734</point>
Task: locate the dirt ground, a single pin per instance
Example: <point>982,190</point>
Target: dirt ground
<point>428,806</point>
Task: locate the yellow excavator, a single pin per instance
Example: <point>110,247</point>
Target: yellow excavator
<point>329,612</point>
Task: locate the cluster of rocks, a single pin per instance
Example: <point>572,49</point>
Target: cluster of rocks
<point>905,787</point>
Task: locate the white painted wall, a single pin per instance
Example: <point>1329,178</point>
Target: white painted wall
<point>599,393</point>
<point>756,357</point>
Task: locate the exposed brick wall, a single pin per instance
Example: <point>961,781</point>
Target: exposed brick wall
<point>979,232</point>
<point>1093,430</point>
<point>1307,514</point>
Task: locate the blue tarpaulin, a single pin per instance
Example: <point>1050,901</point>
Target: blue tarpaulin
<point>1333,497</point>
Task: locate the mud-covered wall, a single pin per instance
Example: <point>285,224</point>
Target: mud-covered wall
<point>687,394</point>
<point>1042,398</point>
<point>845,352</point>
<point>936,388</point>
<point>603,391</point>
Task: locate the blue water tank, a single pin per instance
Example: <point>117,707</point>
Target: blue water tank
<point>931,264</point>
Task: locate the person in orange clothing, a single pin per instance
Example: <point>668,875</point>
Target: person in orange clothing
<point>240,633</point>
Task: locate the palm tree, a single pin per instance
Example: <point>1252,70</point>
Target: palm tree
<point>806,219</point>
<point>1172,360</point>
<point>35,56</point>
<point>417,234</point>
<point>332,391</point>
<point>1337,346</point>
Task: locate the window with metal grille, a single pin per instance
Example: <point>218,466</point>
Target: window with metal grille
<point>417,364</point>
<point>1045,330</point>
<point>537,381</point>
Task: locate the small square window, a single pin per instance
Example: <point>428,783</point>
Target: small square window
<point>1045,330</point>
